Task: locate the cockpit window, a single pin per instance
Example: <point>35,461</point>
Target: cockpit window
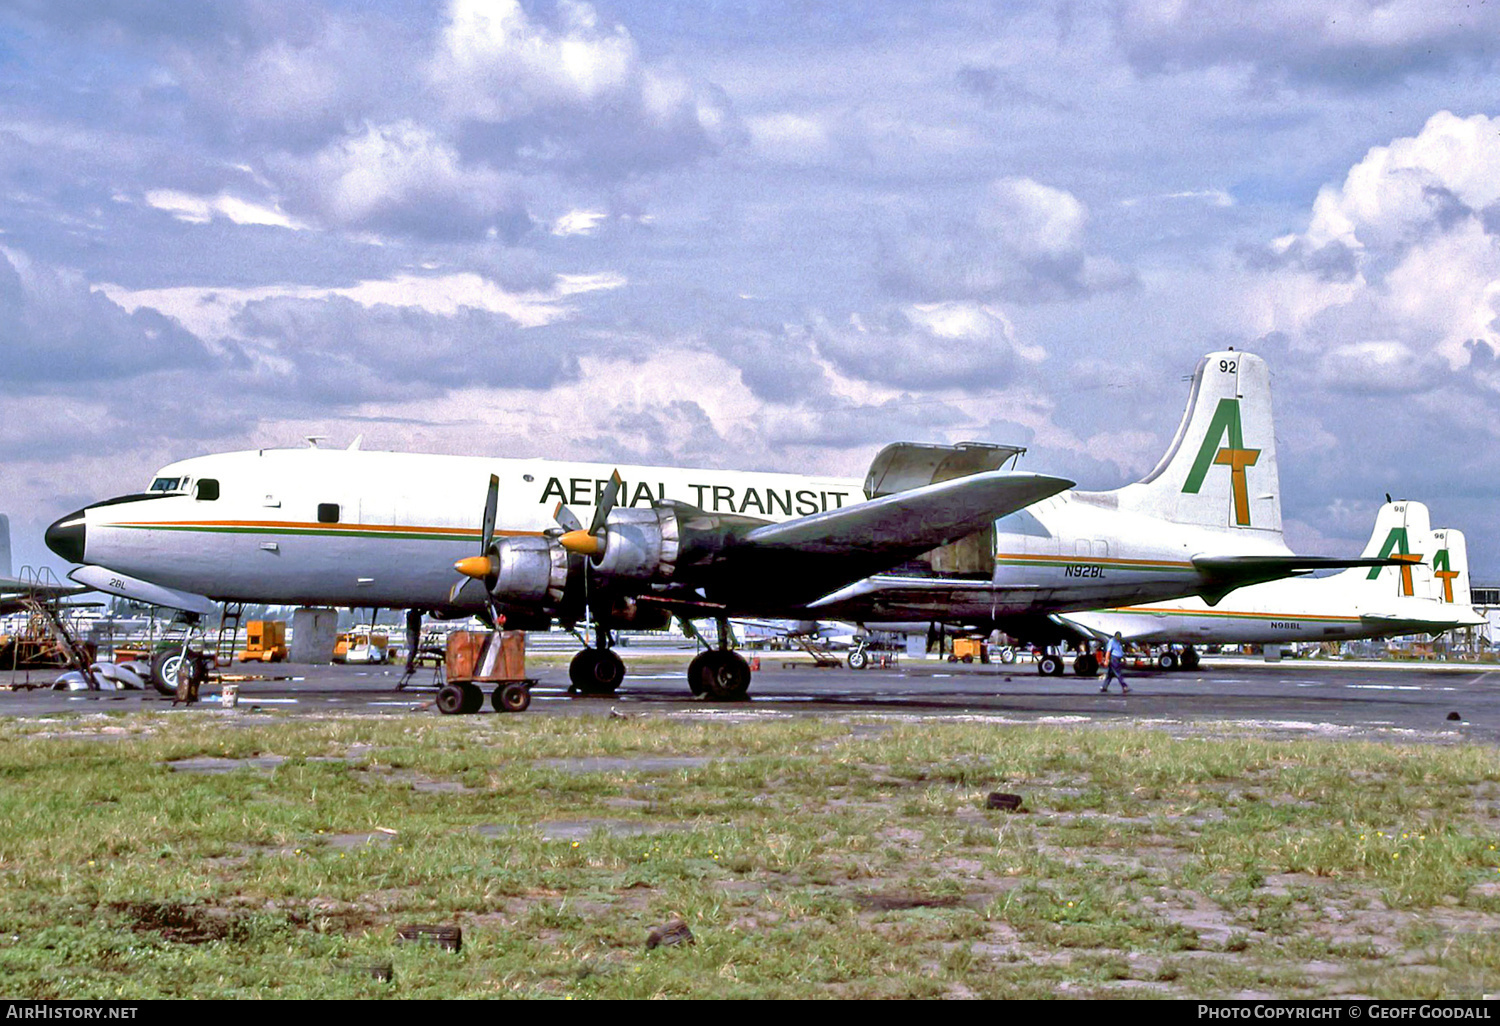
<point>208,489</point>
<point>166,484</point>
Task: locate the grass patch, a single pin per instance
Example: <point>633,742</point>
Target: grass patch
<point>809,858</point>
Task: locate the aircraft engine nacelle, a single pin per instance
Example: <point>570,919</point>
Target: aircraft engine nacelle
<point>640,544</point>
<point>530,572</point>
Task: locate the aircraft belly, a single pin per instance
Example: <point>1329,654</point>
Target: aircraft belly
<point>392,572</point>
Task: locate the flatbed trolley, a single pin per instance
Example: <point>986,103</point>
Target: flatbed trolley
<point>477,658</point>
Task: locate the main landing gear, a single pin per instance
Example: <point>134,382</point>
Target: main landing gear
<point>720,673</point>
<point>1052,664</point>
<point>1187,659</point>
<point>597,670</point>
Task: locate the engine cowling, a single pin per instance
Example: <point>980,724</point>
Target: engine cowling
<point>530,573</point>
<point>640,544</point>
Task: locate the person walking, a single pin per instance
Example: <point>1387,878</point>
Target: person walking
<point>1116,654</point>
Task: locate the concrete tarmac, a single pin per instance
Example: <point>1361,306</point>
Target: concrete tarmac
<point>1399,702</point>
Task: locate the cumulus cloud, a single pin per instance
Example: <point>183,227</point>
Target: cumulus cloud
<point>569,91</point>
<point>210,311</point>
<point>203,209</point>
<point>1348,41</point>
<point>1023,242</point>
<point>1404,253</point>
<point>60,331</point>
<point>404,178</point>
<point>928,345</point>
<point>339,352</point>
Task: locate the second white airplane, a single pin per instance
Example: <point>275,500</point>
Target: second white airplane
<point>1427,595</point>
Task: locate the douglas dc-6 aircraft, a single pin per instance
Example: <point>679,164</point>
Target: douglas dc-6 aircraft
<point>1207,520</point>
<point>352,528</point>
<point>1427,595</point>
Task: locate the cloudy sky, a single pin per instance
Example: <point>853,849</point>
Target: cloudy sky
<point>752,234</point>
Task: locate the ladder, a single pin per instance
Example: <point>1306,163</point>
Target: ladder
<point>43,611</point>
<point>229,632</point>
<point>822,655</point>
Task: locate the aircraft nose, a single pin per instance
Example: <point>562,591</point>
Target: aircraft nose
<point>66,537</point>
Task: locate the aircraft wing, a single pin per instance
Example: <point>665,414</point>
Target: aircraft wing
<point>15,587</point>
<point>806,558</point>
<point>1227,573</point>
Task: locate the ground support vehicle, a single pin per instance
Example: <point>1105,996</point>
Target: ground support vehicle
<point>475,658</point>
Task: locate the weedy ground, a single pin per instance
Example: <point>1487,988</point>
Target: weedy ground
<point>243,854</point>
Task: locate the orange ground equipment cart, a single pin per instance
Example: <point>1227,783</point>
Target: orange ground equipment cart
<point>485,657</point>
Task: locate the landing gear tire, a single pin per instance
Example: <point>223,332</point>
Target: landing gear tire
<point>1167,660</point>
<point>164,667</point>
<point>1049,666</point>
<point>596,671</point>
<point>726,677</point>
<point>696,671</point>
<point>1086,665</point>
<point>511,698</point>
<point>858,659</point>
<point>1189,658</point>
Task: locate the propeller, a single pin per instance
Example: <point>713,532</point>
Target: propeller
<point>484,565</point>
<point>590,542</point>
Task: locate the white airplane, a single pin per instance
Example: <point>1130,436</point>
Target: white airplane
<point>371,529</point>
<point>354,528</point>
<point>1205,521</point>
<point>1414,598</point>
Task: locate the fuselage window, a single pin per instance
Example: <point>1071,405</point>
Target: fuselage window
<point>328,512</point>
<point>207,490</point>
<point>165,484</point>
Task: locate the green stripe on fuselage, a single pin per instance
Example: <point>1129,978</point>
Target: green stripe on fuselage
<point>310,532</point>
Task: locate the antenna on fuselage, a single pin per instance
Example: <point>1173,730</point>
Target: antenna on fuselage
<point>313,440</point>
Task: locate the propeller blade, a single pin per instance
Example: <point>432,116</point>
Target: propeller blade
<point>566,518</point>
<point>606,503</point>
<point>487,528</point>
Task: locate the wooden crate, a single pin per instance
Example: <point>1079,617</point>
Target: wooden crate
<point>487,656</point>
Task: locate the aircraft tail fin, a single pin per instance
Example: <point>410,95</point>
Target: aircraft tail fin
<point>1401,529</point>
<point>5,565</point>
<point>1220,470</point>
<point>1450,567</point>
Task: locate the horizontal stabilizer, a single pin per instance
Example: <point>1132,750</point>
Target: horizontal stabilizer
<point>1230,572</point>
<point>112,583</point>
